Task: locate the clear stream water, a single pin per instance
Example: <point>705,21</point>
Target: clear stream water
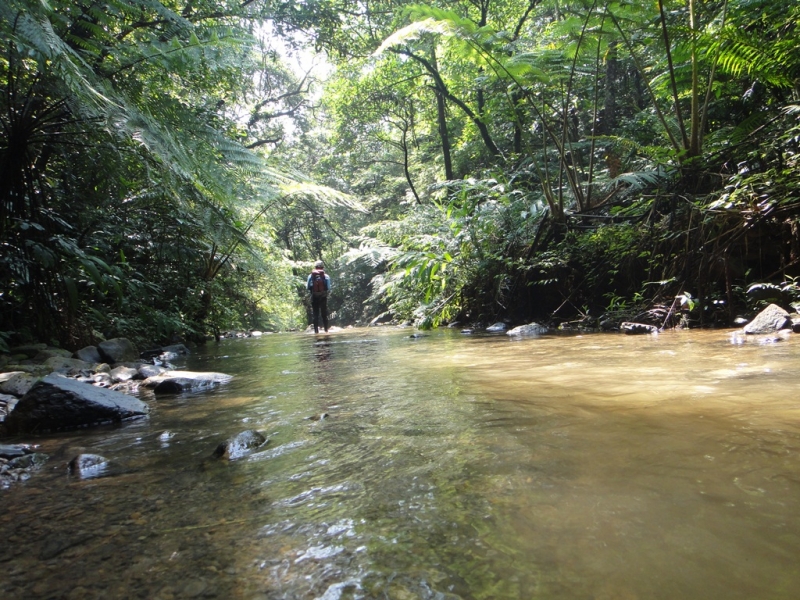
<point>450,466</point>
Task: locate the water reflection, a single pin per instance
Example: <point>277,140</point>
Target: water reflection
<point>439,467</point>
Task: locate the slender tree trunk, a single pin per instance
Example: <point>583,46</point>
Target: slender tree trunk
<point>406,170</point>
<point>694,133</point>
<point>609,122</point>
<point>441,119</point>
<point>447,95</point>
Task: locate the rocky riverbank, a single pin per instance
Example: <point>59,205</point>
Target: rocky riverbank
<point>45,389</point>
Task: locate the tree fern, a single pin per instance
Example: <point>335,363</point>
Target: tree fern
<point>741,53</point>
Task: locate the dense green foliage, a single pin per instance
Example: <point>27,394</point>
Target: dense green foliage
<point>475,160</point>
<point>576,160</point>
<point>132,199</point>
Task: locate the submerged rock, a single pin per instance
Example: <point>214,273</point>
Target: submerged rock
<point>57,402</point>
<point>739,337</point>
<point>319,417</point>
<point>496,327</point>
<point>239,445</point>
<point>16,467</point>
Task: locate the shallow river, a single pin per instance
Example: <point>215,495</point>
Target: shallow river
<point>449,466</point>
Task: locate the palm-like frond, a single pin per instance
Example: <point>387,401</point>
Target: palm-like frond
<point>741,53</point>
<point>322,194</point>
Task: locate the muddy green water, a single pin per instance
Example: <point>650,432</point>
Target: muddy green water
<point>450,466</point>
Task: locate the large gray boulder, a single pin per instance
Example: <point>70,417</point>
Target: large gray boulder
<point>771,319</point>
<point>57,403</point>
<point>118,350</point>
<point>173,382</point>
<point>90,354</point>
<point>528,330</point>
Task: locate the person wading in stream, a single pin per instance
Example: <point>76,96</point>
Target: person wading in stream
<point>318,284</point>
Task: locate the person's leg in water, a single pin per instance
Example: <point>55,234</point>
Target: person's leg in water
<point>315,307</point>
<point>323,308</point>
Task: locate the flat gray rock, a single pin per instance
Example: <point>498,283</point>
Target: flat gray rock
<point>123,373</point>
<point>631,328</point>
<point>52,352</point>
<point>9,451</point>
<point>16,383</point>
<point>146,371</point>
<point>527,330</point>
<point>173,382</point>
<point>57,403</point>
<point>65,364</point>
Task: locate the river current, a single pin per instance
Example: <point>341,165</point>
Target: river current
<point>445,466</point>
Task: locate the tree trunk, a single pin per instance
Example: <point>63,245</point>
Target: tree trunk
<point>441,120</point>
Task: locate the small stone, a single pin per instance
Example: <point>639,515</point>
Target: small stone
<point>10,451</point>
<point>240,444</point>
<point>88,466</point>
<point>195,588</point>
<point>29,461</point>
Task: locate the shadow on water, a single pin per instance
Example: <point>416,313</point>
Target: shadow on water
<point>441,467</point>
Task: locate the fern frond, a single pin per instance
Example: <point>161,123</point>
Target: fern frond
<point>742,53</point>
<point>323,194</point>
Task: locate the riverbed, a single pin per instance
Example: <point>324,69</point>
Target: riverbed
<point>446,466</point>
